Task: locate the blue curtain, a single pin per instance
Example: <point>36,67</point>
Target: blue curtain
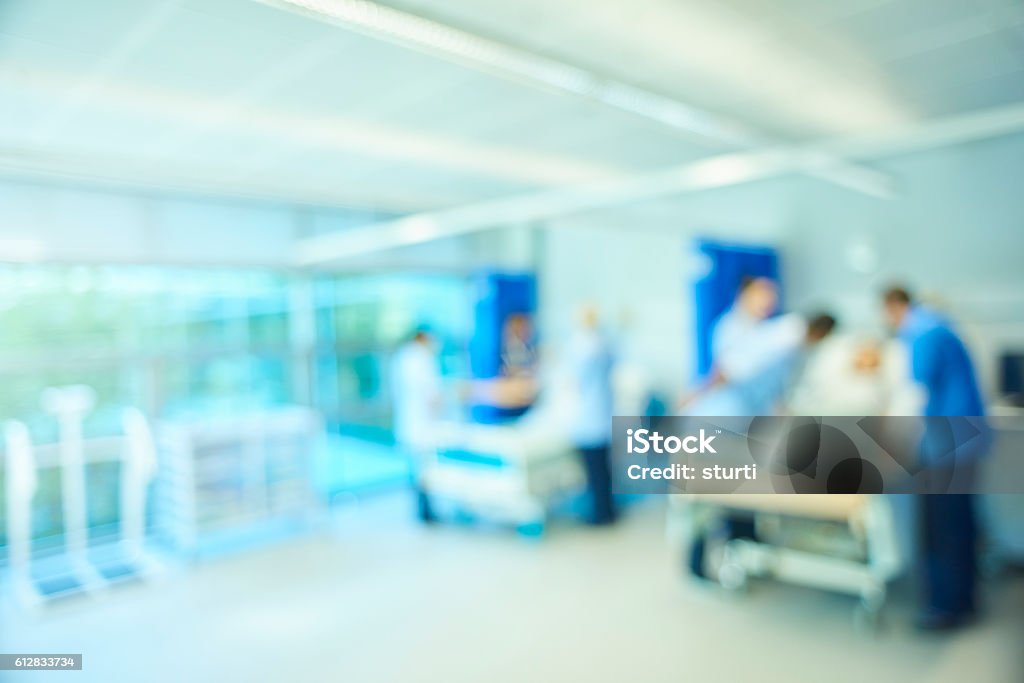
<point>499,295</point>
<point>729,264</point>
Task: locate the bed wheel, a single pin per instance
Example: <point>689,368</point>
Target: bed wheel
<point>867,616</point>
<point>867,621</point>
<point>732,576</point>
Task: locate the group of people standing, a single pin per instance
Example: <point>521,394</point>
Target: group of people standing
<point>756,355</point>
<point>416,387</point>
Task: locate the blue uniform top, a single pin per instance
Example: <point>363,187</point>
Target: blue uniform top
<point>758,357</point>
<point>756,395</point>
<point>940,363</point>
<point>591,362</point>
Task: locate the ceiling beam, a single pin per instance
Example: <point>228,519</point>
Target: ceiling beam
<point>211,181</point>
<point>946,132</point>
<point>184,116</point>
<point>717,171</point>
<point>482,54</point>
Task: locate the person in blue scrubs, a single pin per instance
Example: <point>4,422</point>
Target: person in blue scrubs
<point>941,365</point>
<point>755,358</point>
<point>591,361</point>
<point>755,355</point>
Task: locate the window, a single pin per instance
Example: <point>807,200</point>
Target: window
<point>178,341</point>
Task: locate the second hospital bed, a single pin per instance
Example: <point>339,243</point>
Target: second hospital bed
<point>508,473</point>
<point>843,543</point>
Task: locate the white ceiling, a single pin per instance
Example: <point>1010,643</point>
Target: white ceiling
<point>236,97</point>
<point>793,67</point>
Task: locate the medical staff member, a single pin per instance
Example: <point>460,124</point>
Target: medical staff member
<point>518,352</point>
<point>755,356</point>
<point>754,360</point>
<point>755,301</point>
<point>941,365</point>
<point>591,361</point>
<point>417,403</point>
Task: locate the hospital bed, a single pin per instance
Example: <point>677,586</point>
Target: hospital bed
<point>843,543</point>
<point>510,473</point>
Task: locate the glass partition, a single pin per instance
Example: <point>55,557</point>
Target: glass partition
<point>181,342</point>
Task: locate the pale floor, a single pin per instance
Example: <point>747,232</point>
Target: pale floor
<point>378,598</point>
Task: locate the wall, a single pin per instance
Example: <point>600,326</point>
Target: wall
<point>955,234</point>
<point>635,264</point>
<point>955,231</point>
<point>70,224</point>
<point>53,223</point>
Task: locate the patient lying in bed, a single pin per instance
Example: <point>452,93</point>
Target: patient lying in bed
<point>850,376</point>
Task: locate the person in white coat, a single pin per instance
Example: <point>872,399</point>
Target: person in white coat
<point>417,403</point>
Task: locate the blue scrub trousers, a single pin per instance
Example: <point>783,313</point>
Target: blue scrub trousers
<point>948,538</point>
<point>596,462</point>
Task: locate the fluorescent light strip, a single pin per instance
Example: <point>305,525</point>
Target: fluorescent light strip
<point>717,171</point>
<point>432,37</point>
<point>386,23</point>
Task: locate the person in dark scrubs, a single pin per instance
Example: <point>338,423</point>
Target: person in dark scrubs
<point>941,365</point>
<point>591,361</point>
